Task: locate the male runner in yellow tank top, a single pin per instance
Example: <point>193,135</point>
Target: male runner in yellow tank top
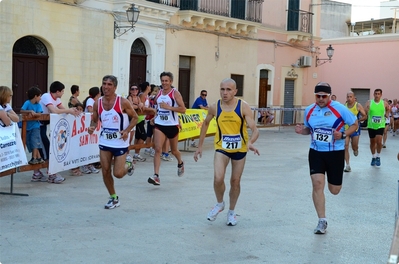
<point>231,141</point>
<point>358,110</point>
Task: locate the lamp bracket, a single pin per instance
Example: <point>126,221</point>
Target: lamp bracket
<point>117,29</point>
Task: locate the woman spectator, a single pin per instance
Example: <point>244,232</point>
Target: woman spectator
<point>7,115</point>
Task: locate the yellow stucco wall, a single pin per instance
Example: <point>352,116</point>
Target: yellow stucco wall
<point>236,56</point>
<point>79,41</point>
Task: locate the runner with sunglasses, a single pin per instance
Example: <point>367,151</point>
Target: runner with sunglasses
<point>325,121</point>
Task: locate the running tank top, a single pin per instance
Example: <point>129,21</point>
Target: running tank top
<point>395,111</point>
<point>354,110</point>
<point>231,134</point>
<point>166,117</point>
<point>376,115</point>
<point>146,104</point>
<point>113,121</point>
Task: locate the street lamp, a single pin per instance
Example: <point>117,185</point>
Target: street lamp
<point>330,53</point>
<point>132,14</point>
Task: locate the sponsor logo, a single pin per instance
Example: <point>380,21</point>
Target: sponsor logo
<point>60,140</point>
<point>323,131</point>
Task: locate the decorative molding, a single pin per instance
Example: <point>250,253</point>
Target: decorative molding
<point>201,20</point>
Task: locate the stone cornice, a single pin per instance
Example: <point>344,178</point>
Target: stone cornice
<point>200,20</point>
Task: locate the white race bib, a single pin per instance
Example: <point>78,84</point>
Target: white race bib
<point>376,119</point>
<point>111,134</point>
<point>323,134</point>
<point>231,142</point>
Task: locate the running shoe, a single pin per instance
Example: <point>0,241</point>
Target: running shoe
<point>92,168</point>
<point>180,169</point>
<point>321,227</point>
<point>154,180</point>
<point>166,157</point>
<point>38,177</point>
<point>231,219</point>
<point>130,165</point>
<point>215,211</point>
<point>372,162</point>
<point>40,160</point>
<point>55,178</point>
<point>147,151</point>
<point>384,146</point>
<point>194,145</point>
<point>356,152</point>
<point>33,161</point>
<point>152,153</point>
<point>347,168</point>
<point>85,169</point>
<point>377,161</point>
<point>112,203</point>
<point>137,157</point>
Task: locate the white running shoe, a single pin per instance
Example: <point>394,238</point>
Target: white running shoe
<point>92,168</point>
<point>321,227</point>
<point>137,157</point>
<point>231,219</point>
<point>215,211</point>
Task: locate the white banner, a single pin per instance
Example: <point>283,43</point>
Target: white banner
<point>71,145</point>
<point>12,153</point>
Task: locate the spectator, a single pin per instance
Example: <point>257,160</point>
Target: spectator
<point>7,115</point>
<point>73,100</point>
<point>200,103</point>
<point>51,103</point>
<point>33,140</point>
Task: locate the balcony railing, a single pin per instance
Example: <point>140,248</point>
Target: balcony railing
<point>299,20</point>
<point>250,10</point>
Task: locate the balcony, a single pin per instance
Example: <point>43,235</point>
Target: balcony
<point>250,10</point>
<point>299,25</point>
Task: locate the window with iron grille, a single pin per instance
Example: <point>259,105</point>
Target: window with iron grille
<point>239,79</point>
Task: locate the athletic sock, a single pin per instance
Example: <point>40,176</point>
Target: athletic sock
<point>231,212</point>
<point>323,218</point>
<point>378,155</point>
<point>114,196</point>
<point>220,204</point>
<point>374,155</point>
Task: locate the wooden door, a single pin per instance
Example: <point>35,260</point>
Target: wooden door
<point>138,69</point>
<point>184,86</point>
<point>28,71</point>
<point>262,103</point>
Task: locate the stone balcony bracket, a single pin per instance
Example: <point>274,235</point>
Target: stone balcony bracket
<point>298,36</point>
<point>200,20</point>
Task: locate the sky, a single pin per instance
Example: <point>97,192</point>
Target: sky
<point>364,9</point>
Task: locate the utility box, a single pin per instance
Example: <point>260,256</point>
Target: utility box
<point>305,61</point>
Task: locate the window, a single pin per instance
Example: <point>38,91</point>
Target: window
<point>239,79</point>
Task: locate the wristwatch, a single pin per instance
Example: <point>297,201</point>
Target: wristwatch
<point>343,135</point>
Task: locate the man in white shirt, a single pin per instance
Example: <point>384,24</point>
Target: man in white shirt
<point>51,104</point>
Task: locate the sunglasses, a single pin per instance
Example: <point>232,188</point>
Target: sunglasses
<point>324,96</point>
<point>203,94</point>
<point>134,88</point>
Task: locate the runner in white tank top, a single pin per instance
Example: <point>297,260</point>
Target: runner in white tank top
<point>169,102</point>
<point>114,112</point>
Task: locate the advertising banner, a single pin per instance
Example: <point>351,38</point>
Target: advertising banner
<point>12,152</point>
<point>191,123</point>
<point>71,145</point>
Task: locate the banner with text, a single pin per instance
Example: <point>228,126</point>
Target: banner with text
<point>71,145</point>
<point>12,152</point>
<point>191,123</point>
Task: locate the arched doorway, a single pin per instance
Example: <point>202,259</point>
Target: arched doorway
<point>138,63</point>
<point>29,68</point>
